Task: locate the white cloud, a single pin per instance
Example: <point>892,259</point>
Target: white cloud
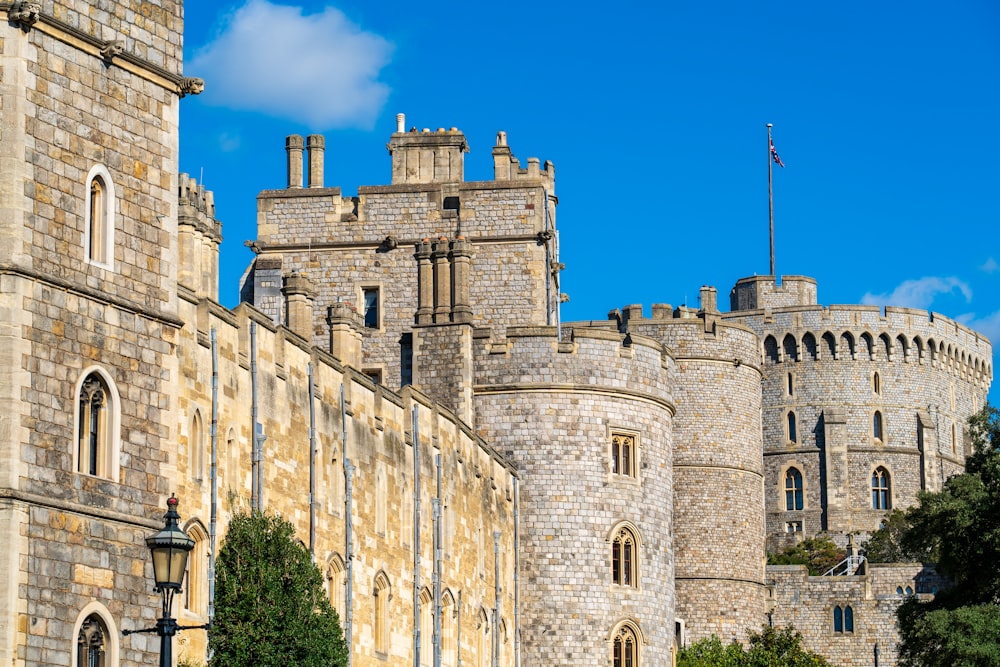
<point>990,266</point>
<point>918,293</point>
<point>320,70</point>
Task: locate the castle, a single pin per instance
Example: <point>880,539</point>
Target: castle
<point>481,482</point>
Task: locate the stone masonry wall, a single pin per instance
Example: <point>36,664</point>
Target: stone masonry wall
<point>718,475</point>
<point>553,407</point>
<point>477,485</point>
<point>834,368</point>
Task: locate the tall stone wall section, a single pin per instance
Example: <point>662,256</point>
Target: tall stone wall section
<point>834,368</point>
<point>808,603</point>
<point>718,471</point>
<point>345,245</point>
<point>82,87</point>
<point>477,489</point>
<point>554,407</point>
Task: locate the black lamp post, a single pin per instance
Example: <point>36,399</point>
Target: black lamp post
<point>169,549</point>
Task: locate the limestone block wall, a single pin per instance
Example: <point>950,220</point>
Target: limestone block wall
<point>74,539</point>
<point>477,485</point>
<point>718,473</point>
<point>834,368</point>
<point>346,245</point>
<point>556,407</point>
<point>808,604</point>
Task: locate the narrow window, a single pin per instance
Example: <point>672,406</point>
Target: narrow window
<point>381,613</point>
<point>623,455</point>
<point>791,385</point>
<point>99,217</point>
<point>624,558</point>
<point>197,442</point>
<point>792,435</point>
<point>877,426</point>
<point>98,224</point>
<point>94,427</point>
<point>336,577</point>
<point>624,648</point>
<point>483,640</point>
<point>838,620</point>
<point>876,384</point>
<point>793,489</point>
<point>196,586</point>
<point>880,489</point>
<point>449,619</point>
<point>426,628</point>
<point>371,295</point>
<point>374,374</point>
<point>848,619</point>
<point>91,643</point>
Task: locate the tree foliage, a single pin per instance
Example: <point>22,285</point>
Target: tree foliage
<point>818,554</point>
<point>768,648</point>
<point>961,525</point>
<point>886,544</point>
<point>271,610</point>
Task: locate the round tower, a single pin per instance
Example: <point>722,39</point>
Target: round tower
<point>718,469</point>
<point>863,408</point>
<point>588,421</point>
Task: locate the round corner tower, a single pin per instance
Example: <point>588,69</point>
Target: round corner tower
<point>718,473</point>
<point>588,422</point>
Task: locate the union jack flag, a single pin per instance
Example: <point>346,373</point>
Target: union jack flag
<point>774,154</point>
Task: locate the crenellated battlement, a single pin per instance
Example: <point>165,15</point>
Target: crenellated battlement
<point>199,235</point>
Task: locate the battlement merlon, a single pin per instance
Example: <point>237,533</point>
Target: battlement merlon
<point>759,292</point>
<point>199,235</point>
<point>507,168</point>
<point>425,156</point>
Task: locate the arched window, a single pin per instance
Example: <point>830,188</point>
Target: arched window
<point>791,385</point>
<point>792,431</point>
<point>623,454</point>
<point>878,427</point>
<point>793,489</point>
<point>94,638</point>
<point>625,648</point>
<point>876,383</point>
<point>382,594</point>
<point>848,619</point>
<point>449,621</point>
<point>843,619</point>
<point>881,497</point>
<point>838,619</point>
<point>483,639</point>
<point>91,643</point>
<point>624,558</point>
<point>100,215</point>
<point>97,426</point>
<point>196,439</point>
<point>336,576</point>
<point>196,584</point>
<point>426,628</point>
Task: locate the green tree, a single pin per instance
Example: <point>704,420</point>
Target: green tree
<point>818,554</point>
<point>768,648</point>
<point>960,627</point>
<point>270,607</point>
<point>886,544</point>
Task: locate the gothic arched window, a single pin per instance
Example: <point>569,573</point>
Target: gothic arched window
<point>793,489</point>
<point>96,423</point>
<point>91,643</point>
<point>624,558</point>
<point>881,497</point>
<point>625,648</point>
<point>99,211</point>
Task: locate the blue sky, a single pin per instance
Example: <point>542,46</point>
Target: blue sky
<point>886,115</point>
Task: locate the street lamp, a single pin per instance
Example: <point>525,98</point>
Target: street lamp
<point>169,549</point>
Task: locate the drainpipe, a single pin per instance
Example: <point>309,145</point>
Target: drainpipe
<point>416,539</point>
<point>213,476</point>
<point>517,583</point>
<point>349,532</point>
<point>496,598</point>
<point>458,629</point>
<point>257,454</point>
<point>438,550</point>
<point>312,460</point>
<point>548,264</point>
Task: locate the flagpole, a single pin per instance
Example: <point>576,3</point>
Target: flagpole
<point>770,195</point>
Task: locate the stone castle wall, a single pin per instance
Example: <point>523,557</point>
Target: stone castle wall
<point>477,484</point>
<point>85,88</point>
<point>808,603</point>
<point>718,475</point>
<point>554,407</point>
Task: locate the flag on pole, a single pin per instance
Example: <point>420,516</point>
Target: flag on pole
<point>774,154</point>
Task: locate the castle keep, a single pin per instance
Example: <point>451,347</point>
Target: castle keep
<point>480,481</point>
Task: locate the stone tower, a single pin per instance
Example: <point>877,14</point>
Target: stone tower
<point>88,252</point>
